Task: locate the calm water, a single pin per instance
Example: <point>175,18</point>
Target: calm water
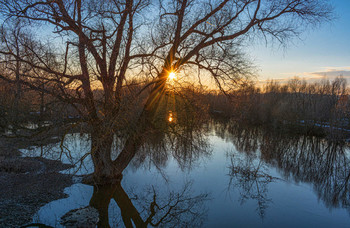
<point>219,176</point>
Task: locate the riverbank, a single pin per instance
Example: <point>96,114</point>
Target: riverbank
<point>26,184</point>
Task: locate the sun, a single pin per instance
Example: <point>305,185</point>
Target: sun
<point>172,76</point>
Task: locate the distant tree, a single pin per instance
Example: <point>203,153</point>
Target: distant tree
<point>105,44</point>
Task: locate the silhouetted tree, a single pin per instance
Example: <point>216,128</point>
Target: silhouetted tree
<point>105,44</point>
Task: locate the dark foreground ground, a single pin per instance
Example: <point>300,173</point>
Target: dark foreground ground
<point>26,184</point>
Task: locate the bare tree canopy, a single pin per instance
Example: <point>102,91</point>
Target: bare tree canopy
<point>73,47</point>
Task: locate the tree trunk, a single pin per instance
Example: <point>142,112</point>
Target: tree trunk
<point>105,170</point>
<point>143,126</point>
<point>101,146</point>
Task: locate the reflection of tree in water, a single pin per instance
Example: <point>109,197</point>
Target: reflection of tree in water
<point>244,139</point>
<point>249,177</point>
<point>324,164</point>
<point>313,160</point>
<point>183,139</point>
<point>150,207</point>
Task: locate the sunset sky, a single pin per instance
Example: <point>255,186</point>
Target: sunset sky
<point>323,51</point>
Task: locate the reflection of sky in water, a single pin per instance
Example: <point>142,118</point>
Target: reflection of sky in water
<point>287,204</point>
<point>74,147</point>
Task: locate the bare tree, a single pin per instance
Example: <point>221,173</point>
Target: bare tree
<point>105,44</point>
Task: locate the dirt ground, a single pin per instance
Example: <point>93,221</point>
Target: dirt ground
<point>26,184</point>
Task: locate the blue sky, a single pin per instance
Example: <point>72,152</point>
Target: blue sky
<point>323,51</point>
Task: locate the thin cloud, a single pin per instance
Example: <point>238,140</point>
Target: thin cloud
<point>325,73</point>
<point>331,74</point>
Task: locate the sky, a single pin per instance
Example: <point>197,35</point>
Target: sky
<point>322,52</point>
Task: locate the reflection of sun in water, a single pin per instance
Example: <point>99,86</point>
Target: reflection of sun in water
<point>172,76</point>
<point>170,118</point>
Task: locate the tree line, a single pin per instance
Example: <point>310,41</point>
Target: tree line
<point>321,107</point>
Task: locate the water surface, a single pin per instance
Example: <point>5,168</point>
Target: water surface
<point>222,175</point>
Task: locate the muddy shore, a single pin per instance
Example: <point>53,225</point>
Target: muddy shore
<point>26,184</point>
